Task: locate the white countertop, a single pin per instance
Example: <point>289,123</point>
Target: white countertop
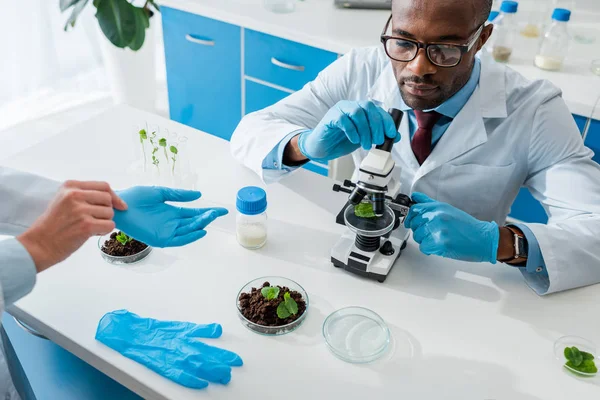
<point>460,330</point>
<point>320,24</point>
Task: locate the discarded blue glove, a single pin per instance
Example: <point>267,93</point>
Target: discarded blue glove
<point>169,348</point>
<point>150,220</point>
<point>347,126</point>
<point>446,231</point>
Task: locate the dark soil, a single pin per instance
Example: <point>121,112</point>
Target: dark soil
<point>256,308</point>
<point>114,248</point>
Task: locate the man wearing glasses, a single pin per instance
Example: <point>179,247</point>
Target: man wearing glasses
<point>476,133</point>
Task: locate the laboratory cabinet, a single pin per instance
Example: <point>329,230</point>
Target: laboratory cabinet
<point>218,72</point>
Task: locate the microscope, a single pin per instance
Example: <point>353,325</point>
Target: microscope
<point>371,246</point>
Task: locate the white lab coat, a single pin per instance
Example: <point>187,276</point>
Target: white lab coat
<point>23,198</point>
<point>511,133</point>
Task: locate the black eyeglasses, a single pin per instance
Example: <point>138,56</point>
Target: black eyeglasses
<point>440,54</point>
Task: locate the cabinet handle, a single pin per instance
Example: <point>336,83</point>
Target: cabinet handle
<point>28,329</point>
<point>192,39</point>
<point>275,61</point>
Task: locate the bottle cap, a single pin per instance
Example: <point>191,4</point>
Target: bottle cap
<point>509,7</point>
<point>493,15</point>
<point>251,200</point>
<point>561,14</point>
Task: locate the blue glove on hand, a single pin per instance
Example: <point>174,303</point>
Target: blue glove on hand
<point>347,126</point>
<point>149,220</point>
<point>169,348</point>
<point>446,231</point>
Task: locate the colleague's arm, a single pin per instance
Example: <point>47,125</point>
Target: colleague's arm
<point>257,141</point>
<point>565,179</point>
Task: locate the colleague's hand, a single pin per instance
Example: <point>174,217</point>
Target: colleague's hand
<point>347,126</point>
<point>446,231</point>
<point>150,220</point>
<point>78,211</point>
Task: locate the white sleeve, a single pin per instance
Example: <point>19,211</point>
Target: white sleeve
<point>260,132</point>
<point>563,177</point>
<point>24,198</point>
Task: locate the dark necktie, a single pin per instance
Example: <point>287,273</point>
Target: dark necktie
<point>421,141</point>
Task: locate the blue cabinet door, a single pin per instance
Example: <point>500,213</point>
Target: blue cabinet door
<point>260,96</point>
<point>580,121</point>
<point>592,140</point>
<point>203,59</point>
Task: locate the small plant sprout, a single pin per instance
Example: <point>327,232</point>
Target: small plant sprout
<point>270,292</point>
<point>580,361</point>
<point>173,150</point>
<point>155,159</point>
<point>123,238</point>
<point>287,307</point>
<point>163,143</point>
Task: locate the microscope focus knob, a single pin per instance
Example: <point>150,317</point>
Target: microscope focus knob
<point>387,249</point>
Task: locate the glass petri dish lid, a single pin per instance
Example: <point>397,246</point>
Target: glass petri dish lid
<point>582,344</point>
<point>369,227</point>
<point>356,335</point>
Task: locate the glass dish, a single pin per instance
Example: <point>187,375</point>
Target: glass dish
<point>595,67</point>
<point>579,342</point>
<point>274,281</point>
<point>369,227</point>
<point>132,259</point>
<point>356,335</point>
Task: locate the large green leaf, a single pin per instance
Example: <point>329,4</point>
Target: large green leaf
<point>142,21</point>
<point>75,13</point>
<point>64,4</point>
<point>117,20</point>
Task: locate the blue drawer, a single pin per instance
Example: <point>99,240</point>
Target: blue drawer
<point>203,59</point>
<point>283,62</point>
<point>527,209</point>
<point>260,96</point>
<point>580,121</point>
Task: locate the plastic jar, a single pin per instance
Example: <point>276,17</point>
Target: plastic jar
<point>251,219</point>
<point>504,34</point>
<point>555,45</point>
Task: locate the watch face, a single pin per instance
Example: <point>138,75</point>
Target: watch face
<point>523,250</point>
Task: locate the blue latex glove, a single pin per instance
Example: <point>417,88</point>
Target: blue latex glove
<point>150,220</point>
<point>446,231</point>
<point>347,126</point>
<point>169,348</point>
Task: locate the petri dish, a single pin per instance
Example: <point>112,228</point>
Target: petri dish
<point>356,335</point>
<point>369,227</point>
<point>595,67</point>
<point>132,259</point>
<point>582,344</point>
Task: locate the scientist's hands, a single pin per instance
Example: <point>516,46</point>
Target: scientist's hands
<point>150,220</point>
<point>79,211</point>
<point>446,231</point>
<point>169,348</point>
<point>347,126</point>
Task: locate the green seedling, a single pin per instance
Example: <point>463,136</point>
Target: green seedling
<point>287,307</point>
<point>364,210</point>
<point>163,143</point>
<point>580,361</point>
<point>155,160</point>
<point>270,292</point>
<point>143,136</point>
<point>123,238</point>
<point>173,150</point>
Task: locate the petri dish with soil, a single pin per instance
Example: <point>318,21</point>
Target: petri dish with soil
<point>356,335</point>
<point>272,305</point>
<point>118,248</point>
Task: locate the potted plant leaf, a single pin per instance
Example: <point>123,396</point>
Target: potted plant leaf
<point>127,44</point>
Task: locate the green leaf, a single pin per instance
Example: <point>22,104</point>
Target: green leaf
<point>75,13</point>
<point>587,356</point>
<point>123,238</point>
<point>270,292</point>
<point>117,21</point>
<point>577,358</point>
<point>173,149</point>
<point>568,353</point>
<point>364,210</point>
<point>587,366</point>
<point>143,134</point>
<point>64,4</point>
<point>162,142</point>
<point>282,311</point>
<point>290,304</point>
<point>142,22</point>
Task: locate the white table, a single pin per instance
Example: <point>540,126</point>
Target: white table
<point>461,331</point>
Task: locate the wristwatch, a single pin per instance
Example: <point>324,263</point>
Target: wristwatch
<point>520,245</point>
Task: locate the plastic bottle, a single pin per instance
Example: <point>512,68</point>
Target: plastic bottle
<point>555,44</point>
<point>505,31</point>
<point>251,219</point>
